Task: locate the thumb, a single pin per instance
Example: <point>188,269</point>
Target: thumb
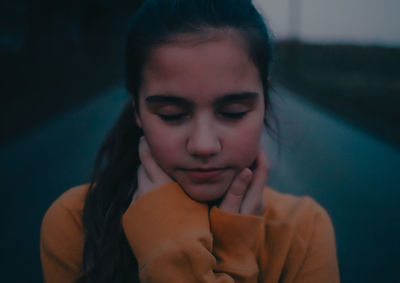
<point>236,191</point>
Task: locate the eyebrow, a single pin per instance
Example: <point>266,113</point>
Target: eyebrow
<point>229,98</point>
<point>236,97</point>
<point>170,99</point>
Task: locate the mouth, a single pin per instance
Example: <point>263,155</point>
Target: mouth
<point>204,174</point>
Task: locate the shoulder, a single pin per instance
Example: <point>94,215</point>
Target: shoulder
<point>298,223</point>
<point>299,231</point>
<point>299,212</point>
<point>62,231</point>
<point>68,206</point>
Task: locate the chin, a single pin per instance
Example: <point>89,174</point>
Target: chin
<point>206,192</point>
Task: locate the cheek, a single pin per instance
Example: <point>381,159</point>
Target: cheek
<point>244,145</point>
<point>164,144</point>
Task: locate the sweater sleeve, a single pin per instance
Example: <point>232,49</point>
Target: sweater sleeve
<point>320,263</point>
<point>169,233</point>
<point>61,244</point>
<point>236,238</point>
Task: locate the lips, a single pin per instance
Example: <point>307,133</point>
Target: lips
<point>204,174</point>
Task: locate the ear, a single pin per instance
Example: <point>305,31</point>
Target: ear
<point>137,115</point>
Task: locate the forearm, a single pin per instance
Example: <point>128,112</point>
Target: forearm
<point>170,235</point>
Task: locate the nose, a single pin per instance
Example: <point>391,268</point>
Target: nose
<point>203,140</point>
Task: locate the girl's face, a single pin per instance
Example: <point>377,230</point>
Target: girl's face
<point>201,107</point>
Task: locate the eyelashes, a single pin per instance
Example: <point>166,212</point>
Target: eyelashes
<point>172,117</point>
<point>234,115</point>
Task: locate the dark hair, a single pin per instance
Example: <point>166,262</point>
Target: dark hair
<point>107,256</point>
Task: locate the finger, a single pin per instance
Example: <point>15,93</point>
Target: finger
<point>152,169</point>
<point>261,171</point>
<point>253,202</point>
<point>143,179</point>
<point>233,197</point>
<point>143,183</point>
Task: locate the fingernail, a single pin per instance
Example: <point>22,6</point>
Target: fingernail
<point>246,174</point>
<point>142,140</point>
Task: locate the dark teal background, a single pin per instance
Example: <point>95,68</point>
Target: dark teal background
<point>62,90</point>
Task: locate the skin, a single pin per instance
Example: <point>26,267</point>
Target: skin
<point>212,123</point>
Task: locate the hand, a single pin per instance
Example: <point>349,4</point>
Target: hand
<point>150,175</point>
<point>245,194</point>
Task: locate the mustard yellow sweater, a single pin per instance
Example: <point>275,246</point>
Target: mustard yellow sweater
<point>176,239</point>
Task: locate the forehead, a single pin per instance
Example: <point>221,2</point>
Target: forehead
<point>200,69</point>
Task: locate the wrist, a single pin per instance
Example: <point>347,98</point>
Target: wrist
<point>161,216</point>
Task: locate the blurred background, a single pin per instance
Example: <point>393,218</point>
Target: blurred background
<point>336,94</point>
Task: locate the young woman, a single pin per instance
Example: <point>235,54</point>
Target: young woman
<point>178,189</point>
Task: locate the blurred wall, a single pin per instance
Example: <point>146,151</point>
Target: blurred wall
<point>350,21</point>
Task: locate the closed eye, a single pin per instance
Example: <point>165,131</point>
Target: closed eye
<point>172,117</point>
<point>234,115</point>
